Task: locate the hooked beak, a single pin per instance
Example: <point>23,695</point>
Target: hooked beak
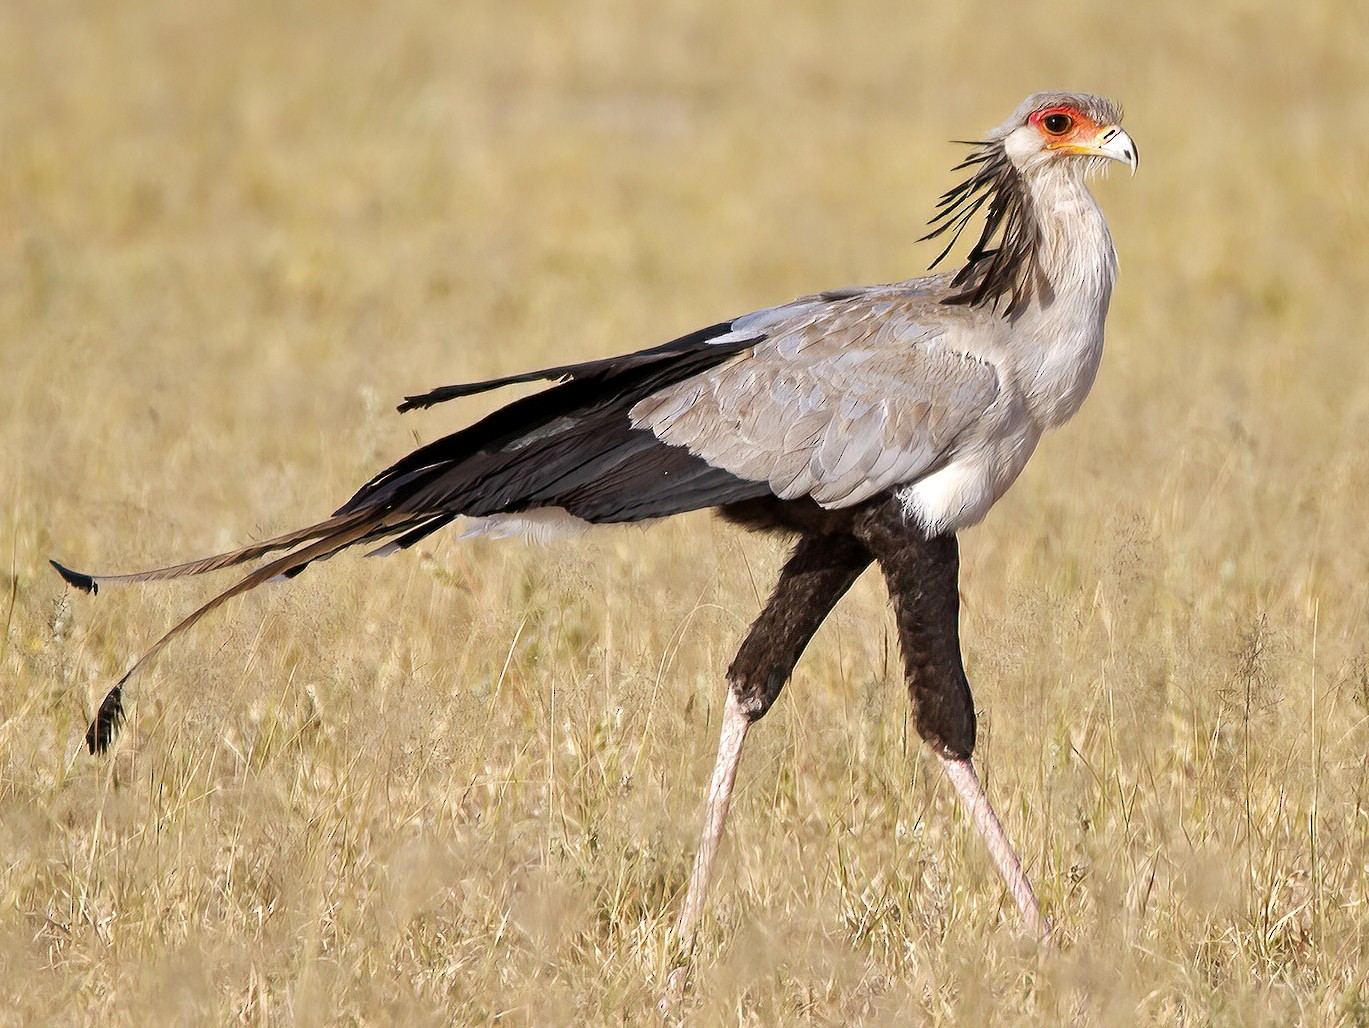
<point>1110,142</point>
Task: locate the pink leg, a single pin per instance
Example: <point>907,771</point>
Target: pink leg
<point>735,724</point>
<point>966,782</point>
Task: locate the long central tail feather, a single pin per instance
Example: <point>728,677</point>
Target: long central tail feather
<point>572,447</point>
<point>413,528</point>
<point>110,715</point>
<point>92,583</point>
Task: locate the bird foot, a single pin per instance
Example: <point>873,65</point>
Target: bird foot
<point>668,1006</point>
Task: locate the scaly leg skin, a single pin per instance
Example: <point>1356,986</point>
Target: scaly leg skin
<point>735,724</point>
<point>817,575</point>
<point>923,577</point>
<point>961,773</point>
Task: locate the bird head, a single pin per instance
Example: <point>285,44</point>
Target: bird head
<point>1073,130</point>
<point>1049,134</point>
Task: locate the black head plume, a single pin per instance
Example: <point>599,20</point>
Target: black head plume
<point>1001,262</point>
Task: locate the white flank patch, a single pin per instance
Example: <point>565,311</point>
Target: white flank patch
<point>956,497</point>
<point>539,526</point>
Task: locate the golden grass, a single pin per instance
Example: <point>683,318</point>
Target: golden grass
<point>463,786</point>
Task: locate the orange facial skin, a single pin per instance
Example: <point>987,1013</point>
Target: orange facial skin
<point>1070,130</point>
<point>1079,129</point>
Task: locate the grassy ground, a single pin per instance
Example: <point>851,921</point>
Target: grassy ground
<point>462,786</point>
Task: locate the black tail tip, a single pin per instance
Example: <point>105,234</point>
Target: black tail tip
<point>107,721</point>
<point>420,401</point>
<point>76,579</point>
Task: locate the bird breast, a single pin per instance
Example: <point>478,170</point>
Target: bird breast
<point>1046,357</point>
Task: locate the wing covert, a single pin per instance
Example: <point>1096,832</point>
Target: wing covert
<point>840,403</point>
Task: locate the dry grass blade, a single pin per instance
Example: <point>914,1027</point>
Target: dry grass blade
<point>233,235</point>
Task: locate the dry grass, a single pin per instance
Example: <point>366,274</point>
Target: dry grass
<point>462,787</point>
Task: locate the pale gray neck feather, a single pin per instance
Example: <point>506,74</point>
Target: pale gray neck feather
<point>1061,326</point>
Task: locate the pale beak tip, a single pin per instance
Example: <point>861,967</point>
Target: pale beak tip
<point>1119,146</point>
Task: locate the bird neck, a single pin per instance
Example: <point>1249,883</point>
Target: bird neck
<point>1042,236</point>
<point>1074,265</point>
<point>1073,262</point>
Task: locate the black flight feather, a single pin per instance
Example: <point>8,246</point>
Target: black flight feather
<point>569,372</point>
<point>572,446</point>
<point>509,460</point>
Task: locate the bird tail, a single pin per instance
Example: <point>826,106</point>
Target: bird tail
<point>320,542</point>
<point>572,448</point>
<point>92,583</point>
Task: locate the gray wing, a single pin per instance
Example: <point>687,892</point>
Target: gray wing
<point>849,394</point>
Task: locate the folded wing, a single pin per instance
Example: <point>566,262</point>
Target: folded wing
<point>859,395</point>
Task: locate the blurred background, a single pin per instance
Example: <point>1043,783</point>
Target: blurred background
<point>462,785</point>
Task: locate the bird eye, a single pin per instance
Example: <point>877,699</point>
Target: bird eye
<point>1057,124</point>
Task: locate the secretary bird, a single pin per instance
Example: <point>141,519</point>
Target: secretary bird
<point>871,423</point>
